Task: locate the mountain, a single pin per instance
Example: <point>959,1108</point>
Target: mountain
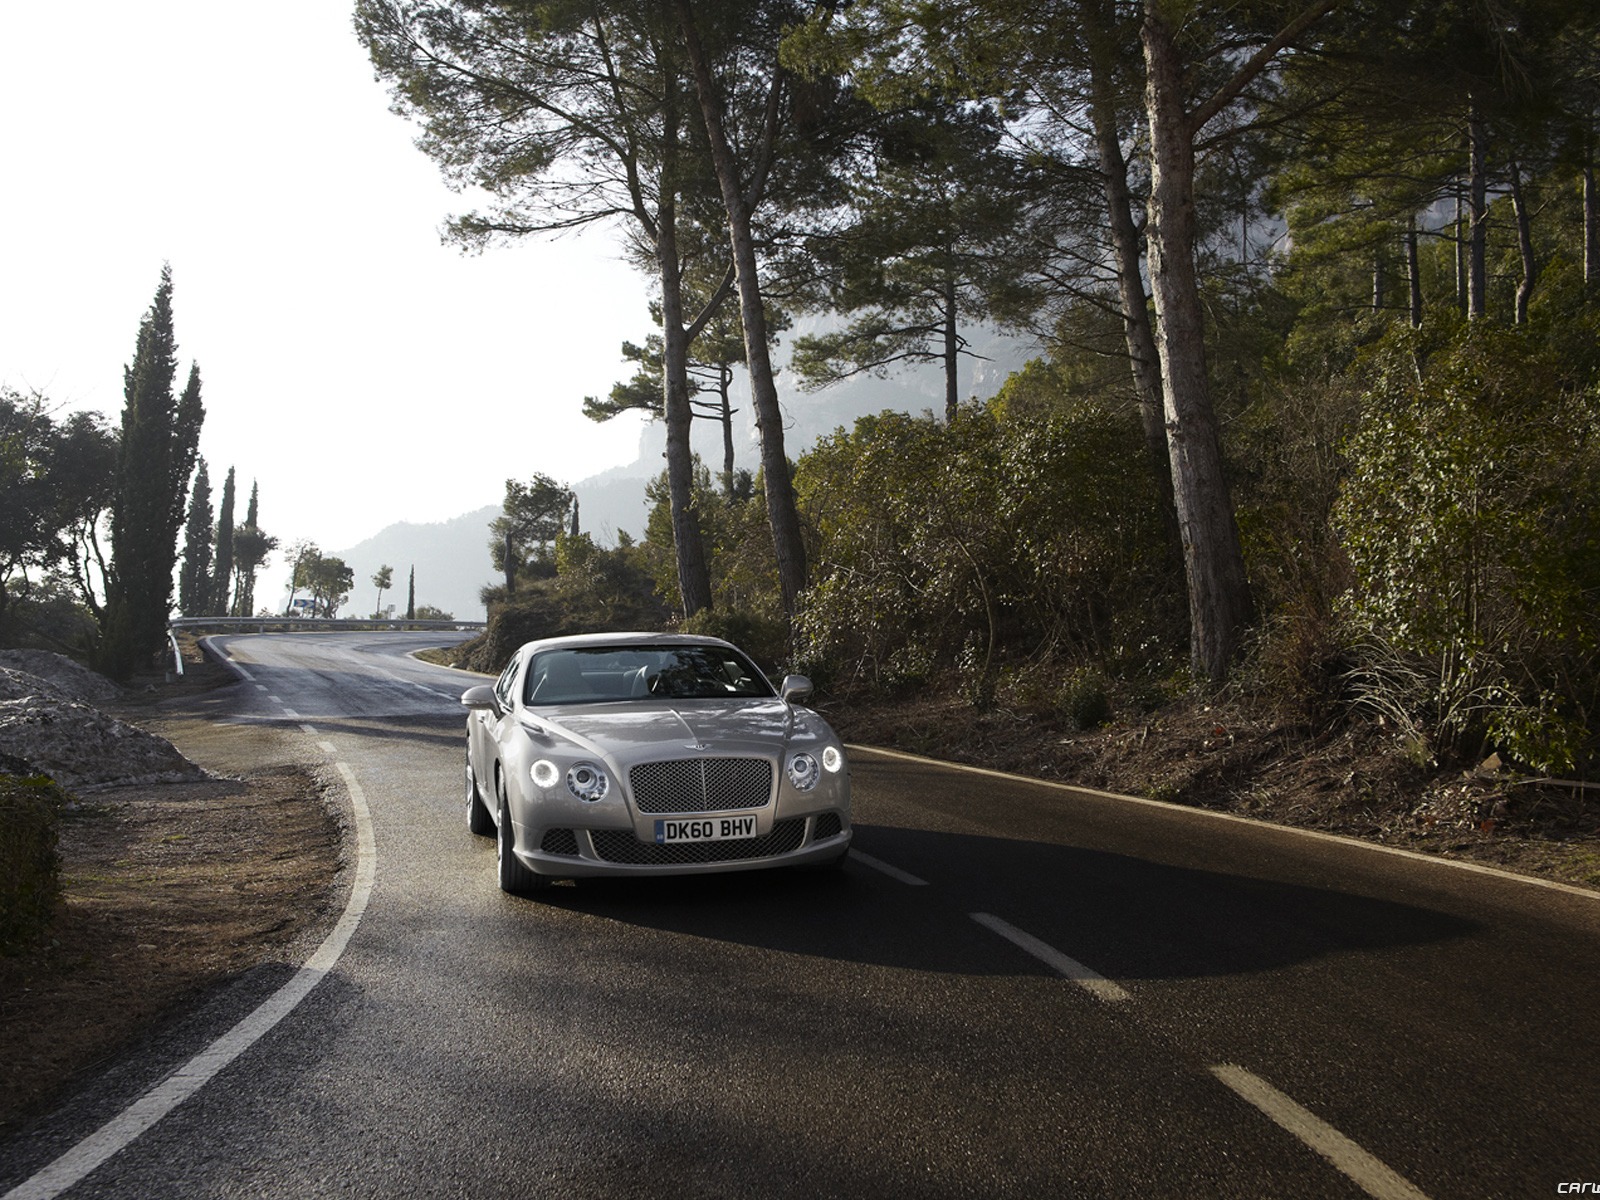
<point>451,559</point>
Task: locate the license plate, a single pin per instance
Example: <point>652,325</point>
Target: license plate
<point>671,831</point>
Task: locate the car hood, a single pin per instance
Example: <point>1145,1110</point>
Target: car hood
<point>636,732</point>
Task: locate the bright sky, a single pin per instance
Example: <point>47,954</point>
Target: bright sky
<point>360,370</point>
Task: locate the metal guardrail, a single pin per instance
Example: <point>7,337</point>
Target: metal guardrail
<point>239,624</point>
<point>295,625</point>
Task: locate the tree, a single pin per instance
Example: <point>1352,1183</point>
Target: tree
<point>532,516</point>
<point>54,479</point>
<point>223,586</point>
<point>1219,591</point>
<point>381,580</point>
<point>565,117</point>
<point>250,550</point>
<point>328,578</point>
<point>411,596</point>
<point>195,585</point>
<point>929,248</point>
<point>742,184</point>
<point>160,437</point>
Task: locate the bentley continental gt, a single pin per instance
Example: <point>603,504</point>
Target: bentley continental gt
<point>646,754</point>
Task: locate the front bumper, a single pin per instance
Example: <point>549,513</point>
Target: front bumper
<point>575,853</point>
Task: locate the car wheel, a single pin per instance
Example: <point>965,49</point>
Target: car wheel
<point>514,875</point>
<point>478,819</point>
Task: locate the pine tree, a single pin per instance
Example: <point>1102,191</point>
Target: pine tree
<point>194,580</point>
<point>160,438</point>
<point>224,570</point>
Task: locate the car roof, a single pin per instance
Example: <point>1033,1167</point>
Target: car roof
<point>601,640</point>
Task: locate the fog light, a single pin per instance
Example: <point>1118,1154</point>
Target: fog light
<point>832,759</point>
<point>545,773</point>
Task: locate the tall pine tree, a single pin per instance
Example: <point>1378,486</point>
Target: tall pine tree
<point>160,438</point>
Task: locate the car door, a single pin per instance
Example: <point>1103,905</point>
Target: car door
<point>486,726</point>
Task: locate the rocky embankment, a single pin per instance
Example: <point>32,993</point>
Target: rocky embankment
<point>51,722</point>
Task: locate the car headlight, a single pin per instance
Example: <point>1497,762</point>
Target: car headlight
<point>804,772</point>
<point>832,760</point>
<point>587,782</point>
<point>545,773</point>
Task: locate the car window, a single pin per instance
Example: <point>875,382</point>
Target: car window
<point>598,675</point>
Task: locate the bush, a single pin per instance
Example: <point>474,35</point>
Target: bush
<point>30,866</point>
<point>1470,518</point>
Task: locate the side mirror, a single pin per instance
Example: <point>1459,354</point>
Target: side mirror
<point>796,689</point>
<point>481,696</point>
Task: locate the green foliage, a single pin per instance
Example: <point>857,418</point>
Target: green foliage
<point>952,548</point>
<point>1472,521</point>
<point>30,866</point>
<point>195,583</point>
<point>533,515</point>
<point>156,453</point>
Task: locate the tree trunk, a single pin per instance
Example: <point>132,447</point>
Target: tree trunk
<point>724,384</point>
<point>694,577</point>
<point>1530,265</point>
<point>1413,276</point>
<point>782,514</point>
<point>952,353</point>
<point>1128,247</point>
<point>1219,594</point>
<point>1591,218</point>
<point>1460,228</point>
<point>1478,213</point>
<point>1380,282</point>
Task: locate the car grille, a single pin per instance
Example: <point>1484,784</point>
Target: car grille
<point>559,841</point>
<point>828,825</point>
<point>701,784</point>
<point>620,846</point>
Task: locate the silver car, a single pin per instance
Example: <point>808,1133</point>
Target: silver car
<point>645,754</point>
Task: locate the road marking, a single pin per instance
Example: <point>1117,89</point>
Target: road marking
<point>1369,1174</point>
<point>1088,979</point>
<point>312,730</point>
<point>326,747</point>
<point>118,1133</point>
<point>1456,864</point>
<point>261,687</point>
<point>243,674</point>
<point>877,864</point>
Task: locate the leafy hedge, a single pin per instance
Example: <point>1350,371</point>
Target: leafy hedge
<point>30,866</point>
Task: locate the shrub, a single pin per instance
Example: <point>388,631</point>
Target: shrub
<point>1470,517</point>
<point>30,866</point>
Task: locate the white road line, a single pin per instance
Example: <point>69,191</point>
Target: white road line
<point>877,864</point>
<point>1206,814</point>
<point>243,674</point>
<point>1369,1174</point>
<point>312,730</point>
<point>1090,980</point>
<point>261,687</point>
<point>121,1130</point>
<point>325,747</point>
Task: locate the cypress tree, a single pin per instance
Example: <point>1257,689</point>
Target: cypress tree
<point>194,580</point>
<point>160,438</point>
<point>411,596</point>
<point>224,575</point>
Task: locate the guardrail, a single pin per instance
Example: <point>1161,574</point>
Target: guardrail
<point>296,625</point>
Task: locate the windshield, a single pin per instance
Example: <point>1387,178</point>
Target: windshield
<point>603,673</point>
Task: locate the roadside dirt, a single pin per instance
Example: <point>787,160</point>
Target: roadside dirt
<point>171,889</point>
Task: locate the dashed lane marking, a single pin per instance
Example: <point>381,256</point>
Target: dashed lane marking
<point>1085,977</point>
<point>1369,1173</point>
<point>877,864</point>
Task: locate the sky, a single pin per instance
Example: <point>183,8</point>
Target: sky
<point>359,370</point>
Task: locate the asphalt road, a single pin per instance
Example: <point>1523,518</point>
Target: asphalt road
<point>1013,989</point>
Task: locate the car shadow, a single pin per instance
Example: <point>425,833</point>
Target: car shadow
<point>1127,917</point>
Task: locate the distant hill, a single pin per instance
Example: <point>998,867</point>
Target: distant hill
<point>451,560</point>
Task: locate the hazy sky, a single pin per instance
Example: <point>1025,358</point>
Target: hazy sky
<point>360,370</point>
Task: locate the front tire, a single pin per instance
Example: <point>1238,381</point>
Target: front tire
<point>478,819</point>
<point>514,876</point>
